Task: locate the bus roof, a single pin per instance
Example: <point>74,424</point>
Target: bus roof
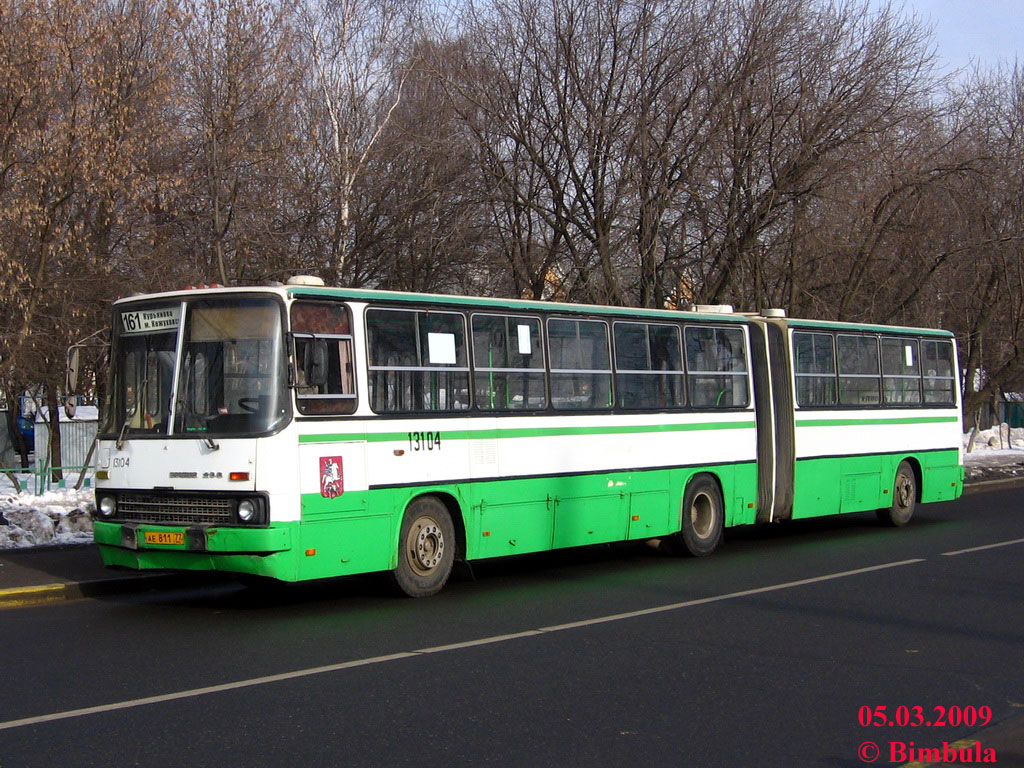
<point>520,305</point>
<point>385,297</point>
<point>871,328</point>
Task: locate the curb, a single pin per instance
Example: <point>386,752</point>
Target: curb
<point>22,597</point>
<point>993,485</point>
<point>19,597</point>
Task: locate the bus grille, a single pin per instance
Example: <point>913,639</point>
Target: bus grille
<point>187,510</point>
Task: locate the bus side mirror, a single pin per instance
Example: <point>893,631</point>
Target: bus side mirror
<point>315,363</point>
<point>72,372</point>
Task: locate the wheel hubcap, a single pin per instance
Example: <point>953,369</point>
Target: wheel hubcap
<point>702,516</point>
<point>426,545</point>
<point>904,492</point>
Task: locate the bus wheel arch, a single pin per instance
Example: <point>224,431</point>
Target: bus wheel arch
<point>906,493</point>
<point>427,546</point>
<point>702,517</point>
<point>918,475</point>
<point>455,512</point>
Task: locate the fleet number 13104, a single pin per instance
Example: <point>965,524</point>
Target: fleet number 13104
<point>424,441</point>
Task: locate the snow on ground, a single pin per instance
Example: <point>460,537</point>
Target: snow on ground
<point>64,515</point>
<point>996,453</point>
<point>997,439</point>
<point>56,516</point>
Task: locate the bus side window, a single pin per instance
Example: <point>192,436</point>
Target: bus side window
<point>324,374</point>
<point>815,368</point>
<point>508,359</point>
<point>939,380</point>
<point>581,369</point>
<point>716,367</point>
<point>417,360</point>
<point>858,370</point>
<point>648,366</point>
<point>901,371</point>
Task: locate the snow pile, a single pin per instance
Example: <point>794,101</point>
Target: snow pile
<point>998,438</point>
<point>58,516</point>
<point>996,453</point>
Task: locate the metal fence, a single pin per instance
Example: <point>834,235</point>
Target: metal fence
<point>76,438</point>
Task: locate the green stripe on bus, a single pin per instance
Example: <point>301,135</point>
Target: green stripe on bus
<point>484,434</point>
<point>875,421</point>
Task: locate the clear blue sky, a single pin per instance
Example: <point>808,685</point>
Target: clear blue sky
<point>971,32</point>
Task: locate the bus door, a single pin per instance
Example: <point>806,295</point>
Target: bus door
<point>773,399</point>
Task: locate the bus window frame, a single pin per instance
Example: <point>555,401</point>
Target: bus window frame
<point>544,369</point>
<point>109,430</point>
<point>879,335</point>
<point>419,309</point>
<point>732,375</point>
<point>952,377</point>
<point>552,372</point>
<point>680,372</point>
<point>292,338</point>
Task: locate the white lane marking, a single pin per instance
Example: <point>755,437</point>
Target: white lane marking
<point>202,691</point>
<point>129,704</point>
<point>986,546</point>
<point>730,596</point>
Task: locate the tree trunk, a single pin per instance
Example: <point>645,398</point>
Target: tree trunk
<point>53,417</point>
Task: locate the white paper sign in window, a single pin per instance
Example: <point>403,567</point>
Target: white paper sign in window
<point>525,348</point>
<point>441,348</point>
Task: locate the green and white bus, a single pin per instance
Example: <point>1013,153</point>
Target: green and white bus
<point>301,432</point>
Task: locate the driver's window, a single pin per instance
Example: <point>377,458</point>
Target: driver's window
<point>322,358</point>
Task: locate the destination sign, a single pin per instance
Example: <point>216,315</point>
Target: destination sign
<point>151,320</point>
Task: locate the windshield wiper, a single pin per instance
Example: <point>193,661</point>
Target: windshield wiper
<point>193,421</point>
<point>121,436</point>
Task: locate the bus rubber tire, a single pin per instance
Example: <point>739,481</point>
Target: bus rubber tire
<point>904,497</point>
<point>703,518</point>
<point>426,548</point>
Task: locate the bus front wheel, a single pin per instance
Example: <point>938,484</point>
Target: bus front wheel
<point>904,497</point>
<point>426,548</point>
<point>703,518</point>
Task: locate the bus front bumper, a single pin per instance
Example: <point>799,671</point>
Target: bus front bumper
<point>259,551</point>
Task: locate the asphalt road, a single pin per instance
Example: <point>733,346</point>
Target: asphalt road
<point>762,655</point>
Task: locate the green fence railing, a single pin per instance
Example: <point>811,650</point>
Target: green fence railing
<point>40,477</point>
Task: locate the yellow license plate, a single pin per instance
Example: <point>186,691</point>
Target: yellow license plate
<point>165,538</point>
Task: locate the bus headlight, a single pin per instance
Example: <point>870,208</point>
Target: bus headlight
<point>107,506</point>
<point>246,510</point>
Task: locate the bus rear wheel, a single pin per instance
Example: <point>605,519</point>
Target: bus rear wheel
<point>426,548</point>
<point>904,497</point>
<point>703,520</point>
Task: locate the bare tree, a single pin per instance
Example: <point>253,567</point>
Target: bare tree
<point>85,82</point>
<point>352,49</point>
<point>237,80</point>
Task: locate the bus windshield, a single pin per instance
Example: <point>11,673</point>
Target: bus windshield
<point>230,378</point>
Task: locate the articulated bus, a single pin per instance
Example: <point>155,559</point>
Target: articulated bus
<point>301,432</point>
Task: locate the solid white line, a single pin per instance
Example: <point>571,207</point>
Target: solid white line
<point>986,546</point>
<point>202,691</point>
<point>730,596</point>
<point>435,649</point>
<point>480,641</point>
